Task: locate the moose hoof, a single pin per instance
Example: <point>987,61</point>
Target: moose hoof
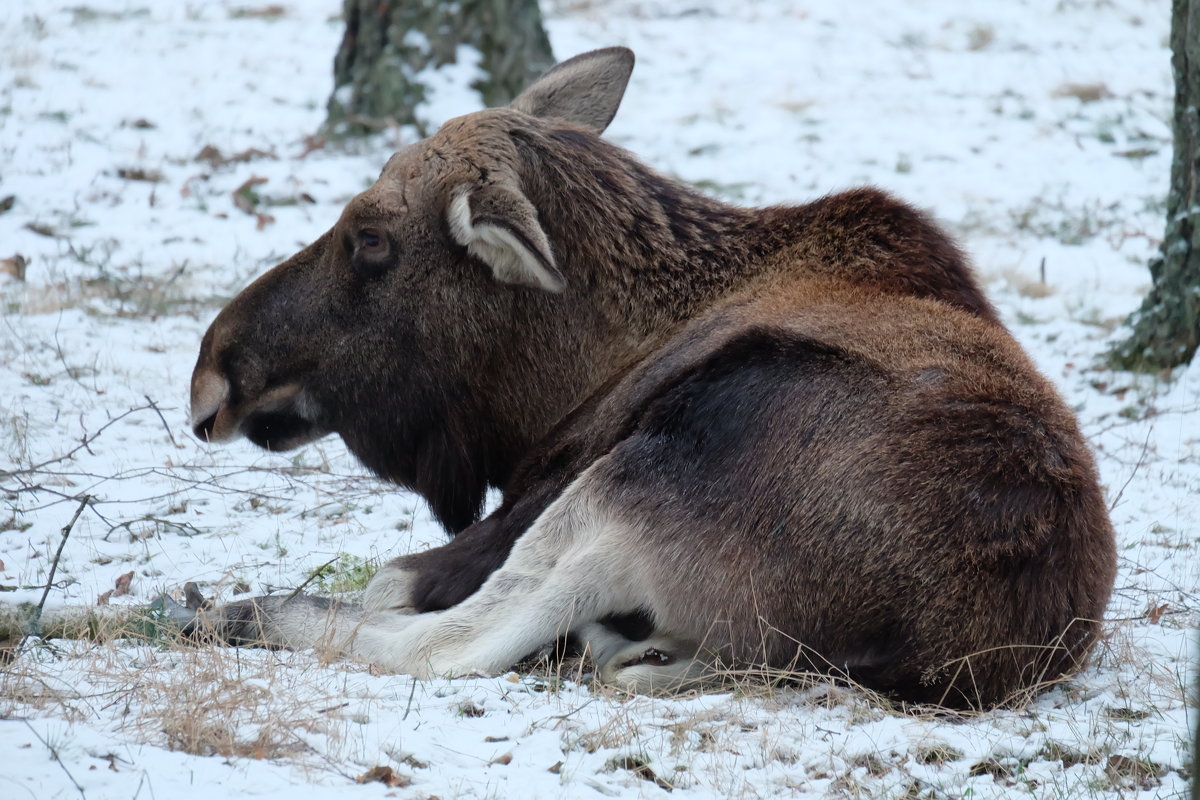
<point>239,624</point>
<point>654,666</point>
<point>391,588</point>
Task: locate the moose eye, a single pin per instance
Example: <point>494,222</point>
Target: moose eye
<point>369,240</point>
<point>371,251</point>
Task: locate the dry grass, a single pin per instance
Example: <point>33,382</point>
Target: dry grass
<point>211,702</point>
<point>97,624</point>
<point>270,705</point>
<point>138,296</point>
<point>206,701</point>
<point>1084,92</point>
<point>1026,285</point>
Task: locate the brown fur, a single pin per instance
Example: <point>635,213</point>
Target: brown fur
<point>837,455</point>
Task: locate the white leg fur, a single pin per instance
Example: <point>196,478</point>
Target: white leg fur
<point>390,588</point>
<point>566,570</point>
<point>572,567</point>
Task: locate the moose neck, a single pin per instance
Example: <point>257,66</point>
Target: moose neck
<point>648,249</point>
<point>641,253</point>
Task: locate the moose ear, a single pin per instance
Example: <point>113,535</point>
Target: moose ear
<point>499,226</point>
<point>586,89</point>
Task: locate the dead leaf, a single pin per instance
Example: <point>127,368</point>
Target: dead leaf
<point>122,587</point>
<point>470,709</point>
<point>139,174</point>
<point>640,768</point>
<point>385,775</point>
<point>245,198</point>
<point>42,229</point>
<point>273,11</point>
<point>7,203</point>
<point>103,599</point>
<point>1142,772</point>
<point>1084,92</point>
<point>312,144</point>
<point>248,200</point>
<point>1155,613</point>
<point>503,760</point>
<point>216,158</point>
<point>412,761</point>
<point>210,154</point>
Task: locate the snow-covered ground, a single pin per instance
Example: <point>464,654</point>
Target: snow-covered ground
<point>1038,130</point>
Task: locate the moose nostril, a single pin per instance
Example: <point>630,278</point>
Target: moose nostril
<point>204,428</point>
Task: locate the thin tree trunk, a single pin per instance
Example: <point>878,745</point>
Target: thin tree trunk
<point>1196,742</point>
<point>382,67</point>
<point>1166,329</point>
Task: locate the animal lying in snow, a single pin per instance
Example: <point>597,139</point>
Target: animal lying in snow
<point>796,436</point>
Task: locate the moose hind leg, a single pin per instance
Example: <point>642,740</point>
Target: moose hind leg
<point>659,663</point>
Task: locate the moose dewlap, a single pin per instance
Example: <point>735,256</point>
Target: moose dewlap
<point>793,437</point>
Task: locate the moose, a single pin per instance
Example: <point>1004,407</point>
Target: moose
<point>793,438</point>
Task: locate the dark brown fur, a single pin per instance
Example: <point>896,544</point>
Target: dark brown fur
<point>841,458</point>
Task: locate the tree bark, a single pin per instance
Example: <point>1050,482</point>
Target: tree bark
<point>380,70</point>
<point>1196,744</point>
<point>1166,329</point>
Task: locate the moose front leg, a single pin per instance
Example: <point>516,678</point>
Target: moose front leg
<point>432,580</point>
<point>575,565</point>
<point>291,621</point>
<point>444,576</point>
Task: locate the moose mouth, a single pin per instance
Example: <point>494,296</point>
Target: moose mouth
<point>279,429</point>
<point>281,418</point>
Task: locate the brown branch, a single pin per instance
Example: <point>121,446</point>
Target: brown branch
<point>312,577</point>
<point>1140,462</point>
<point>34,623</point>
<point>83,445</point>
<point>57,758</point>
<point>163,420</point>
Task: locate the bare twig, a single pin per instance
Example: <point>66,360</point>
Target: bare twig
<point>34,624</point>
<point>332,764</point>
<point>163,420</point>
<point>312,577</point>
<point>411,693</point>
<point>182,528</point>
<point>54,753</point>
<point>1141,460</point>
<point>83,445</point>
<point>143,781</point>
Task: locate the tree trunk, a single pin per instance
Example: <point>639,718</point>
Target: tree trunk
<point>1166,329</point>
<point>380,71</point>
<point>1196,744</point>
